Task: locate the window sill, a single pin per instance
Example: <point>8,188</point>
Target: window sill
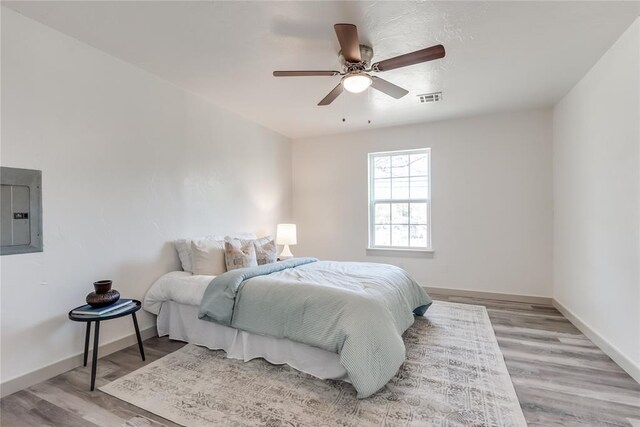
<point>393,252</point>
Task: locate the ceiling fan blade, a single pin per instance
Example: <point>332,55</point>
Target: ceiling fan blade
<point>304,73</point>
<point>332,95</point>
<point>387,87</point>
<point>423,55</point>
<point>349,43</point>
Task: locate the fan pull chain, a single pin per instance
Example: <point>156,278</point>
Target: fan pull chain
<point>369,102</point>
<point>342,106</point>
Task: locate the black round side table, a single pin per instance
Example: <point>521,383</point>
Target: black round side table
<point>96,334</point>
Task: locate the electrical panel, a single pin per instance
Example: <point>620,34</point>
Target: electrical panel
<point>20,211</point>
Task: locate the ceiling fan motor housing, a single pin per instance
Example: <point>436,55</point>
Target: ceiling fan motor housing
<point>366,53</point>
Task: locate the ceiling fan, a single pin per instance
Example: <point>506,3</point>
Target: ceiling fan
<point>356,61</point>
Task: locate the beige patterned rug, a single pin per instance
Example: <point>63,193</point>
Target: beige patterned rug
<point>454,375</point>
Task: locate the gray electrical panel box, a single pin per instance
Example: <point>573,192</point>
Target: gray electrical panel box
<point>20,211</point>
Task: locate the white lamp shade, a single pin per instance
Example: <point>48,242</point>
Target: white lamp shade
<point>286,234</point>
<point>356,83</point>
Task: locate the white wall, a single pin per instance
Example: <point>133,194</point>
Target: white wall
<point>597,199</point>
<point>491,207</point>
<point>129,162</point>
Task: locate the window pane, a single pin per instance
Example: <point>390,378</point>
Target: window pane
<point>382,167</point>
<point>418,235</point>
<point>400,165</point>
<point>418,213</point>
<point>400,213</point>
<point>400,235</point>
<point>419,164</point>
<point>383,213</point>
<point>419,188</point>
<point>383,235</point>
<point>400,198</point>
<point>400,188</point>
<point>382,189</point>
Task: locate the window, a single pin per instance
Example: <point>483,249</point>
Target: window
<point>400,200</point>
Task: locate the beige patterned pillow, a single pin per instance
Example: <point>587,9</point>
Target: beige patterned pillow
<point>239,254</point>
<point>266,252</point>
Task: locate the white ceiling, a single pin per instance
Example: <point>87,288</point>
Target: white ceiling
<point>500,55</point>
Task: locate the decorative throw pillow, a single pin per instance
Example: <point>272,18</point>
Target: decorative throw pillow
<point>239,254</point>
<point>266,252</point>
<point>183,246</point>
<point>207,257</point>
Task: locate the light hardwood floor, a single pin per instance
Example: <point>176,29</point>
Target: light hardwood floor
<point>561,378</point>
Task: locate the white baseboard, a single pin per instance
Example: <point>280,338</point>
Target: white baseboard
<point>611,350</point>
<point>27,380</point>
<point>531,299</point>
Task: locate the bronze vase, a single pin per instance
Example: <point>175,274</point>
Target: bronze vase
<point>103,295</point>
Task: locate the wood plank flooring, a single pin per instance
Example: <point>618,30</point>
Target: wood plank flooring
<point>561,378</point>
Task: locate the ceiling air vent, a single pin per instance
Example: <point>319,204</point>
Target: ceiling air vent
<point>430,97</point>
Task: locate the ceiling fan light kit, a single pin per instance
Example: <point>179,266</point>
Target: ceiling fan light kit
<point>356,83</point>
<point>356,63</point>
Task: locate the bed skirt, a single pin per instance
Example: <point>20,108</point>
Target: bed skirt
<point>180,322</point>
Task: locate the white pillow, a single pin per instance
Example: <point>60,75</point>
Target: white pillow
<point>241,236</point>
<point>207,257</point>
<point>183,246</point>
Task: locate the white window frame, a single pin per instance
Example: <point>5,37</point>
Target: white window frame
<point>372,201</point>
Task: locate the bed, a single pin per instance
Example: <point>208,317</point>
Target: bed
<point>332,320</point>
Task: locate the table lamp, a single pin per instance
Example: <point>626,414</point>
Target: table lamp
<point>286,235</point>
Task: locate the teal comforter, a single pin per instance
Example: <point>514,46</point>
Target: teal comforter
<point>358,310</point>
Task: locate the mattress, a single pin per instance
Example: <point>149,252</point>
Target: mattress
<point>175,299</point>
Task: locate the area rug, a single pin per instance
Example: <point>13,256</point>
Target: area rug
<point>454,375</point>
